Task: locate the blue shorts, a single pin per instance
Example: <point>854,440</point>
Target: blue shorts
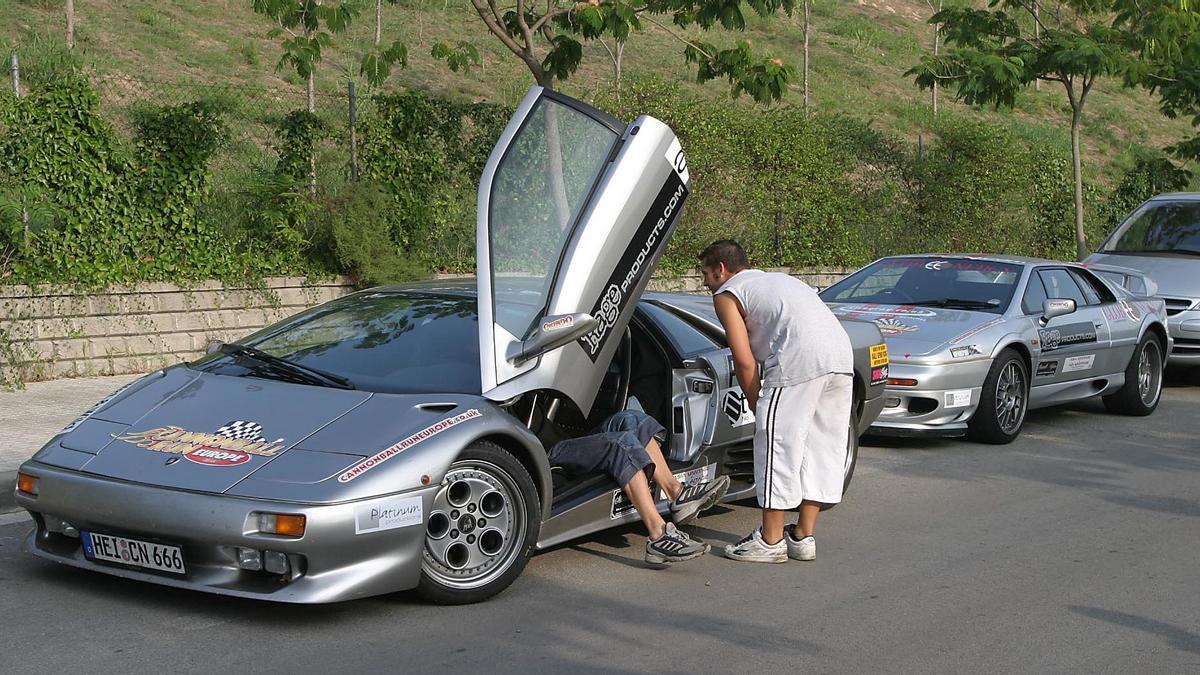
<point>617,448</point>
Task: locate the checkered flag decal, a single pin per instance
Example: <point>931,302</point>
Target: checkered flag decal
<point>241,430</point>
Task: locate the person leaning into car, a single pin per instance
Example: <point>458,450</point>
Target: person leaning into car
<point>628,447</point>
<point>801,405</point>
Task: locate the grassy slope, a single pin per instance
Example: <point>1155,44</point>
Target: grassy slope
<point>860,49</point>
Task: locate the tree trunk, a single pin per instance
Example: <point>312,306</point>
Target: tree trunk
<point>554,167</point>
<point>378,19</point>
<point>312,154</point>
<point>620,51</point>
<point>1037,32</point>
<point>70,24</point>
<point>1076,160</point>
<point>936,46</point>
<point>807,24</point>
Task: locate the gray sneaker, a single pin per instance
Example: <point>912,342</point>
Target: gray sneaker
<point>752,548</point>
<point>799,549</point>
<point>673,546</point>
<point>698,497</point>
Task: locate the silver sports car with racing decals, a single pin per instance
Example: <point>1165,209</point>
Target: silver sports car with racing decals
<point>976,342</point>
<point>397,438</point>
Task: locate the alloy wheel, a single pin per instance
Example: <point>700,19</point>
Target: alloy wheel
<point>476,526</point>
<point>1010,398</point>
<point>1149,372</point>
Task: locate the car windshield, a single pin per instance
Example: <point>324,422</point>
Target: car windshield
<point>956,283</point>
<point>1161,227</point>
<point>388,342</point>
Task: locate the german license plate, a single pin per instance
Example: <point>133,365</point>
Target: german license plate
<point>147,554</point>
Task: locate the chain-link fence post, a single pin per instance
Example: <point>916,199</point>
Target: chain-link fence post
<point>353,133</point>
<point>16,82</point>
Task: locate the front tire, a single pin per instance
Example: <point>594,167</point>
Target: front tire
<point>1003,401</point>
<point>481,529</point>
<point>1143,381</point>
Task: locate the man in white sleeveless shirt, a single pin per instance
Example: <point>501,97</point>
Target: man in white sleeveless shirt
<point>802,405</point>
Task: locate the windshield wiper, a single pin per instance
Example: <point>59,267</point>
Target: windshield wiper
<point>957,303</point>
<point>308,373</point>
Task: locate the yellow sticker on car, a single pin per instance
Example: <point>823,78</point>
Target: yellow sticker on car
<point>879,356</point>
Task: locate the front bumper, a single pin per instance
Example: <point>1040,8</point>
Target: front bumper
<point>1184,329</point>
<point>944,399</point>
<point>329,563</point>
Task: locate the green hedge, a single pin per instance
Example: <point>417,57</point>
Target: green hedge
<point>795,188</point>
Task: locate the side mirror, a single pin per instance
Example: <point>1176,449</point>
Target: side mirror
<point>213,345</point>
<point>1056,307</point>
<point>553,332</point>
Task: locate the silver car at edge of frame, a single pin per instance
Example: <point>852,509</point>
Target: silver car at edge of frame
<point>977,341</point>
<point>396,438</point>
<point>1161,239</point>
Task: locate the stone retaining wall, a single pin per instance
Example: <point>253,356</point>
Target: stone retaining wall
<point>48,332</point>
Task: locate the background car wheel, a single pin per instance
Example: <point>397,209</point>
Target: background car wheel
<point>481,529</point>
<point>1003,401</point>
<point>1143,380</point>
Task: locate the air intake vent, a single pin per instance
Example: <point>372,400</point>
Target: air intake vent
<point>739,464</point>
<point>1177,305</point>
<point>1186,347</point>
<point>437,407</point>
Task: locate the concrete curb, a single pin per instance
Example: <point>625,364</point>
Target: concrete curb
<point>8,484</point>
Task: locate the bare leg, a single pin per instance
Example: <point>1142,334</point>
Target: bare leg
<point>772,525</point>
<point>806,523</point>
<point>638,490</point>
<point>662,473</point>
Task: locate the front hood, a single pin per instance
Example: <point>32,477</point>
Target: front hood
<point>1176,276</point>
<point>915,331</point>
<point>208,434</point>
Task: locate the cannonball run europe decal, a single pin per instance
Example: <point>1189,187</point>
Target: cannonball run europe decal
<point>208,449</point>
<point>639,256</point>
<point>400,446</point>
<point>1065,336</point>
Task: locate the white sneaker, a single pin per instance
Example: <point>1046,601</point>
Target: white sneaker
<point>799,549</point>
<point>752,548</point>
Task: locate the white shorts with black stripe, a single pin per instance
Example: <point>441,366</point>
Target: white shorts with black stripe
<point>800,438</point>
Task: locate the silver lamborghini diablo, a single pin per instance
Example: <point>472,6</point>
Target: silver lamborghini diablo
<point>397,438</point>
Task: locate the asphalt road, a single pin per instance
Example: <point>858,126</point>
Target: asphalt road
<point>1073,549</point>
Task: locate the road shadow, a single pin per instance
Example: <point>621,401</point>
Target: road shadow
<point>1179,638</point>
<point>1075,446</point>
<point>539,624</point>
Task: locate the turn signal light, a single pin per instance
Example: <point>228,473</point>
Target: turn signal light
<point>287,525</point>
<point>902,382</point>
<point>27,484</point>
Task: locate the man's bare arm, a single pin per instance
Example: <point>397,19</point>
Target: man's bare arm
<point>729,312</point>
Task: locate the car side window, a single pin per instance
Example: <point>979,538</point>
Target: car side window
<point>1093,289</point>
<point>1035,295</point>
<point>1060,285</point>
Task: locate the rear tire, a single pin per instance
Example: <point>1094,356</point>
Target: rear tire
<point>482,527</point>
<point>1143,381</point>
<point>1003,401</point>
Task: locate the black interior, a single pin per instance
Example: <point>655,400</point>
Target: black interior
<point>640,368</point>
